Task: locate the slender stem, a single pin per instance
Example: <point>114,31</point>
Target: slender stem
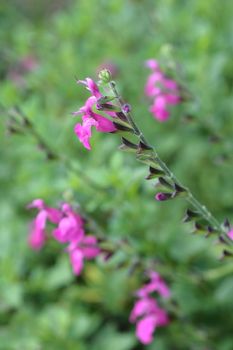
<point>218,272</point>
<point>52,155</point>
<point>204,212</point>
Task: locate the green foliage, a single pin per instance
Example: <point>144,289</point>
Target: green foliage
<point>42,305</point>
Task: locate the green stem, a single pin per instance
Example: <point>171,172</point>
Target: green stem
<point>52,155</point>
<point>204,212</point>
<point>218,272</point>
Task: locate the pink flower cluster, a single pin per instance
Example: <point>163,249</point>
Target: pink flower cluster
<point>162,90</point>
<point>146,313</point>
<point>91,118</point>
<point>69,230</point>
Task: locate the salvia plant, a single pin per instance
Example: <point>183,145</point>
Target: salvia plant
<point>106,111</point>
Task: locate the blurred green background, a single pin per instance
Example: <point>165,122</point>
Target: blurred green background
<point>44,46</point>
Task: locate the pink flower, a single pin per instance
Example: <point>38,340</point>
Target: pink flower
<point>145,329</point>
<point>152,87</point>
<point>85,248</point>
<point>152,64</point>
<point>159,109</point>
<point>70,226</point>
<point>156,284</point>
<point>83,131</point>
<point>162,90</point>
<point>91,86</point>
<point>37,235</point>
<point>91,118</point>
<point>230,234</point>
<point>142,307</point>
<point>146,313</point>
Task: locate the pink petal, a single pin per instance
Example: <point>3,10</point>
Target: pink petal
<point>36,238</point>
<point>89,247</point>
<point>54,215</point>
<point>76,258</point>
<point>172,99</point>
<point>83,131</point>
<point>145,329</point>
<point>104,125</point>
<point>68,229</point>
<point>37,203</point>
<point>170,84</point>
<point>152,64</point>
<point>40,220</point>
<point>151,87</point>
<point>159,109</point>
<point>91,86</point>
<point>142,307</point>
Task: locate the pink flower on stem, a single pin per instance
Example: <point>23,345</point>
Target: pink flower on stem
<point>84,248</point>
<point>152,64</point>
<point>159,108</point>
<point>91,118</point>
<point>91,86</point>
<point>70,227</point>
<point>162,90</point>
<point>146,313</point>
<point>37,235</point>
<point>83,131</point>
<point>156,284</point>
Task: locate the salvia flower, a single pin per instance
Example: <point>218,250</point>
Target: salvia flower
<point>146,312</point>
<point>69,230</point>
<point>37,234</point>
<point>162,90</point>
<point>89,117</point>
<point>84,248</point>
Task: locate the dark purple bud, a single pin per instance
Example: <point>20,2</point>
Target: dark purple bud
<point>163,196</point>
<point>126,108</point>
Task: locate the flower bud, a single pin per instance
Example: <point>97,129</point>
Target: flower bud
<point>105,76</point>
<point>126,108</point>
<point>163,196</point>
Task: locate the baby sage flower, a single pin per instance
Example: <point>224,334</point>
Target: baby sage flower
<point>89,117</point>
<point>146,312</point>
<point>162,90</point>
<point>69,230</point>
